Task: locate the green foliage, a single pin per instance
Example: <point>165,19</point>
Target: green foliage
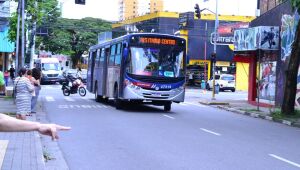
<point>37,11</point>
<point>296,4</point>
<point>73,37</point>
<point>291,117</point>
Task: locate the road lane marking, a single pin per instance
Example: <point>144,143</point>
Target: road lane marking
<point>69,99</point>
<point>49,99</point>
<point>211,132</point>
<point>285,160</point>
<point>184,104</point>
<point>169,116</point>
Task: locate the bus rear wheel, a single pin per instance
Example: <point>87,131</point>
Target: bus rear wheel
<point>167,107</point>
<point>97,97</point>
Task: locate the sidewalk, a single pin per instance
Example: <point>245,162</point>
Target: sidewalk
<point>240,106</point>
<point>28,150</point>
<point>19,150</point>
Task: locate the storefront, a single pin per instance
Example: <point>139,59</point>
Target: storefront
<point>6,50</point>
<point>272,60</point>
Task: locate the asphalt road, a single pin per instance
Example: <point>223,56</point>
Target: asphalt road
<point>191,136</point>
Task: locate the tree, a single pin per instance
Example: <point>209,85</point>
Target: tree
<point>37,12</point>
<point>290,85</point>
<point>73,37</point>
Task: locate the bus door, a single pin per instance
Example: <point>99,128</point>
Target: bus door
<point>90,73</point>
<point>105,67</point>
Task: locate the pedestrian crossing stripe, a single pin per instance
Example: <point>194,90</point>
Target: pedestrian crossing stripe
<point>81,106</point>
<point>49,98</point>
<point>69,99</point>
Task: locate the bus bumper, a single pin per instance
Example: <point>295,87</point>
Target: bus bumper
<point>136,93</point>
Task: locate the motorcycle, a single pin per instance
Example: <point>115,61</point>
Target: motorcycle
<point>73,86</point>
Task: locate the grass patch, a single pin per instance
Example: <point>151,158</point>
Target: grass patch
<point>7,97</point>
<point>11,114</point>
<point>278,115</point>
<point>47,156</point>
<point>251,110</point>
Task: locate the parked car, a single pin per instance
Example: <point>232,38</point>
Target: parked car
<point>225,82</point>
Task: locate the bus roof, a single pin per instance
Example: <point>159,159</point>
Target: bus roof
<point>128,36</point>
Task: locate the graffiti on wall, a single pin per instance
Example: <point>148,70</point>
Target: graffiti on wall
<point>267,80</point>
<point>288,29</point>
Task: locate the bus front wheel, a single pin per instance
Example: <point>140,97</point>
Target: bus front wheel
<point>117,101</point>
<point>167,106</point>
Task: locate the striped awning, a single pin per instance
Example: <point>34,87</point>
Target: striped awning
<point>5,44</point>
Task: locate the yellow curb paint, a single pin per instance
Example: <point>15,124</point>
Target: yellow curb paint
<point>3,147</point>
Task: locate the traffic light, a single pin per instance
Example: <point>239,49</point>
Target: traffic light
<point>197,11</point>
<point>213,57</point>
<point>80,2</point>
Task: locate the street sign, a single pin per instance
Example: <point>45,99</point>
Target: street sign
<point>186,20</point>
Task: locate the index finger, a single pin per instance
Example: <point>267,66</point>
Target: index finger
<point>59,127</point>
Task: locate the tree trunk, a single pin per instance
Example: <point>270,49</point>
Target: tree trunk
<point>290,85</point>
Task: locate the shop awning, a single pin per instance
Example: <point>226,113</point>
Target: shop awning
<point>5,44</point>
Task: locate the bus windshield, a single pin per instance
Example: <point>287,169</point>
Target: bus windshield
<point>155,62</point>
<point>50,66</point>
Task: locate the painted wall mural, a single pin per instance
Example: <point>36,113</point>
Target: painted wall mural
<point>288,29</point>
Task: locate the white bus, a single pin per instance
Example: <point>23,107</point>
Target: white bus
<point>140,68</point>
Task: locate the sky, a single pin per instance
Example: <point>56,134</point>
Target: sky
<point>108,9</point>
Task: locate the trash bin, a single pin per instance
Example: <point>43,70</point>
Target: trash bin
<point>217,88</point>
<point>203,84</point>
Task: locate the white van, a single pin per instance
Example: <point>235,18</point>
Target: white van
<point>51,69</point>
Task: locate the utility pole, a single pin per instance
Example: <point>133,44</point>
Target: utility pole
<point>23,33</point>
<point>18,37</point>
<point>215,50</point>
<point>33,37</point>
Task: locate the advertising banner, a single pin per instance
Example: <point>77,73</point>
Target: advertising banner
<point>226,32</point>
<point>262,37</point>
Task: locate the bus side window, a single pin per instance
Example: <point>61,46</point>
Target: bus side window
<point>94,55</point>
<point>112,55</point>
<point>118,55</point>
<point>97,57</point>
<point>102,57</point>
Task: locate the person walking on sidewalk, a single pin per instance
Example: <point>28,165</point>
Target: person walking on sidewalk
<point>6,77</point>
<point>23,90</point>
<point>2,83</point>
<point>9,124</point>
<point>36,75</point>
<point>12,72</point>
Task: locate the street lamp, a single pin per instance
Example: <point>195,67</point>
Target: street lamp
<point>215,50</point>
<point>214,54</point>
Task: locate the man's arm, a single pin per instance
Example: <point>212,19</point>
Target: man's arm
<point>9,124</point>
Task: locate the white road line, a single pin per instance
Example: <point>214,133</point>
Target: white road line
<point>169,116</point>
<point>208,131</point>
<point>194,104</point>
<point>285,160</point>
<point>183,104</point>
<point>49,99</point>
<point>69,99</point>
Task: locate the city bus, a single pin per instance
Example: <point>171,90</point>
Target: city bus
<point>143,68</point>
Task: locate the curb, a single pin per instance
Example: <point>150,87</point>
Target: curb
<point>57,160</point>
<point>213,103</point>
<point>256,115</point>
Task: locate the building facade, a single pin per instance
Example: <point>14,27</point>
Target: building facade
<point>198,34</point>
<point>129,9</point>
<point>269,66</point>
<point>6,47</point>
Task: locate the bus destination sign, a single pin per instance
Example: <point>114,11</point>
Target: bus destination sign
<point>157,41</point>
